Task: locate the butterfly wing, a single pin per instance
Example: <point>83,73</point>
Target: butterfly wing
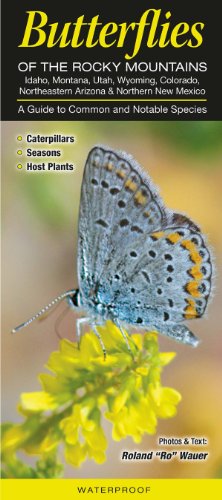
<point>164,277</point>
<point>149,265</point>
<point>118,204</point>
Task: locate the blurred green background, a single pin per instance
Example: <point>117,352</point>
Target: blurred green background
<point>39,244</point>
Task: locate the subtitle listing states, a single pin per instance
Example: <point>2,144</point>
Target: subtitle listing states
<point>112,89</point>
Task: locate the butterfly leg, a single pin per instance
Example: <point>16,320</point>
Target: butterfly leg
<point>97,334</point>
<point>79,322</point>
<point>117,323</point>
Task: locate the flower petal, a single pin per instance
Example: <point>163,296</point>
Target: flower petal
<point>38,401</point>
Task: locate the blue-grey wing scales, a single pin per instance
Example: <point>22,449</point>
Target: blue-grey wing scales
<point>132,249</point>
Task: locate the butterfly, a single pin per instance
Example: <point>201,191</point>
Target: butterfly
<point>139,263</point>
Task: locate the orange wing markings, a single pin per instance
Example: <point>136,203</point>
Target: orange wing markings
<point>158,235</point>
<point>192,249</point>
<point>131,185</point>
<point>190,310</point>
<point>174,238</point>
<point>192,286</point>
<point>139,198</point>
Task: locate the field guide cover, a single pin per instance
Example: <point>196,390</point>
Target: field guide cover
<point>111,250</point>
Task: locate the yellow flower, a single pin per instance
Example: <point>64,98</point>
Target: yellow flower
<point>75,454</point>
<point>125,388</point>
<point>13,437</point>
<point>165,400</point>
<point>37,402</point>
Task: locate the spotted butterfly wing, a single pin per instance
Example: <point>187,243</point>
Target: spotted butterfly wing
<point>145,264</point>
<point>109,192</point>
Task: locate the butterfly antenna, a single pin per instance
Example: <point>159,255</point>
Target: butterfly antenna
<point>44,310</point>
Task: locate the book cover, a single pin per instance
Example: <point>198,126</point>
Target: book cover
<point>111,250</point>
